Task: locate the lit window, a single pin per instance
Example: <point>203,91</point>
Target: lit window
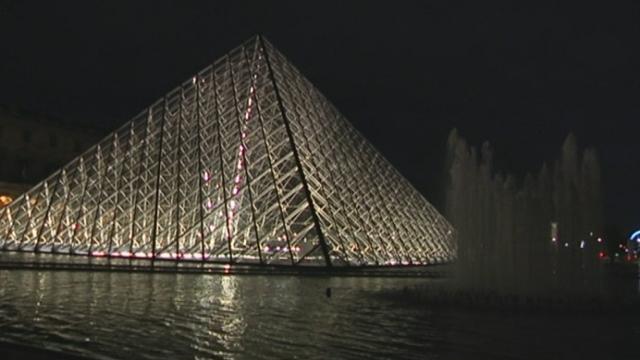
<point>5,200</point>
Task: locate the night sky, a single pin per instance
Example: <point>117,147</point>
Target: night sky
<point>404,73</point>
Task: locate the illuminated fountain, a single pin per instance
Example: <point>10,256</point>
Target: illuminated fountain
<point>537,238</point>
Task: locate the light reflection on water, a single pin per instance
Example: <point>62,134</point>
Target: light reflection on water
<point>171,316</point>
<point>110,315</point>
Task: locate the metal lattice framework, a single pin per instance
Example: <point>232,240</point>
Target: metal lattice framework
<point>246,162</point>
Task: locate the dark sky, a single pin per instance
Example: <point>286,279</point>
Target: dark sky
<point>405,73</point>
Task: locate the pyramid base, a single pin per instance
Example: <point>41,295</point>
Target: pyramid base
<point>27,260</point>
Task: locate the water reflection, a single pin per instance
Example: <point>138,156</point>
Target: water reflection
<point>171,316</point>
<point>109,315</point>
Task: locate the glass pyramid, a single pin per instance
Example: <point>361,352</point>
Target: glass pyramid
<point>244,163</point>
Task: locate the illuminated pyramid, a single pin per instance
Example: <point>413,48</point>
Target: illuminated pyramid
<point>246,162</point>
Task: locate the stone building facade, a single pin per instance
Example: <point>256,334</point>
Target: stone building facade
<point>33,146</point>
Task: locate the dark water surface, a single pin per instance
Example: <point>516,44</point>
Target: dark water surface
<point>105,315</point>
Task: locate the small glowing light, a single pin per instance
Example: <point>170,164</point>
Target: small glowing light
<point>601,254</point>
<point>599,240</point>
<point>591,233</point>
<point>5,200</point>
<point>554,239</point>
<point>582,244</point>
<point>235,191</point>
<point>206,176</point>
<point>566,244</point>
<point>193,80</point>
<point>232,204</point>
<point>635,235</point>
